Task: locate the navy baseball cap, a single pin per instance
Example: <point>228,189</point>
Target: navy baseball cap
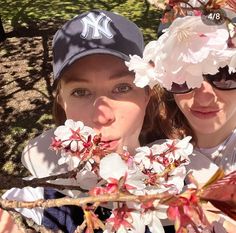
<point>95,32</point>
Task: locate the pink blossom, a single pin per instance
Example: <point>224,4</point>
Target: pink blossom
<point>74,136</point>
<point>187,50</point>
<point>185,210</point>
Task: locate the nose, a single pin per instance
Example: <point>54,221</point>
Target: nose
<point>103,113</point>
<point>205,94</point>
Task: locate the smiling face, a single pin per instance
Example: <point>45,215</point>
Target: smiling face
<point>210,112</point>
<point>99,91</point>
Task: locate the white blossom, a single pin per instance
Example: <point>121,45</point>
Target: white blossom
<point>187,50</point>
<point>113,167</point>
<point>152,218</point>
<point>145,73</point>
<point>72,161</point>
<point>142,157</point>
<point>159,159</point>
<point>135,220</point>
<point>152,170</point>
<point>66,133</point>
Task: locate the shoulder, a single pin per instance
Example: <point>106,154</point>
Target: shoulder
<point>201,167</point>
<point>38,158</point>
<point>229,155</point>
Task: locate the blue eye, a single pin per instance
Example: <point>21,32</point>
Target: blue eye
<point>81,92</point>
<point>122,88</point>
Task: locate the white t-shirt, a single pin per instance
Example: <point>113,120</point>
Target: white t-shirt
<point>205,161</point>
<point>223,155</point>
<point>39,159</point>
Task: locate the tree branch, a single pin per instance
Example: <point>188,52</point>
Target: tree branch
<point>8,182</point>
<point>116,197</point>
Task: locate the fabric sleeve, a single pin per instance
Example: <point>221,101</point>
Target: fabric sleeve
<point>27,194</point>
<point>39,159</point>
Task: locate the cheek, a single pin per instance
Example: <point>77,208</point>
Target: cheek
<point>79,113</point>
<point>71,109</point>
<point>178,101</point>
<point>139,106</point>
<point>135,106</point>
<point>132,116</point>
<point>72,114</point>
<point>229,105</point>
<point>183,101</point>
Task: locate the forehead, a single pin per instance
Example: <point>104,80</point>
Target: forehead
<point>97,66</point>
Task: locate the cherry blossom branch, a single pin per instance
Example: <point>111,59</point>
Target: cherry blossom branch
<point>115,197</point>
<point>160,167</point>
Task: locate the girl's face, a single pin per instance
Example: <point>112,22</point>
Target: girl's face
<point>210,112</point>
<point>99,91</point>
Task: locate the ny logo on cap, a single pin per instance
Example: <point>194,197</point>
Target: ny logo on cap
<point>97,24</point>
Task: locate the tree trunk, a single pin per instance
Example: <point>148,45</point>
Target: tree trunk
<point>2,32</point>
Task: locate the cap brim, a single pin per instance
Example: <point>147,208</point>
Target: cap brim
<point>71,60</point>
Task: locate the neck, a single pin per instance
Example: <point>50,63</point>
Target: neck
<point>132,148</point>
<point>213,139</point>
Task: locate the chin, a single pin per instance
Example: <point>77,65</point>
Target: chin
<point>208,130</point>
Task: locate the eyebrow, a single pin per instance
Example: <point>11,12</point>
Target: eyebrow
<point>122,74</point>
<point>68,79</point>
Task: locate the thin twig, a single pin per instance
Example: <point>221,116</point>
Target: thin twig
<point>8,182</point>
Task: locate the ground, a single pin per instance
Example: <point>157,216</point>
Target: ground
<point>25,97</point>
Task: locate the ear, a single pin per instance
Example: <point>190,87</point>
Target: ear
<point>59,99</point>
<point>58,96</point>
<point>59,114</point>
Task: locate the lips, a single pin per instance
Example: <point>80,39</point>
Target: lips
<point>205,113</point>
<point>110,144</point>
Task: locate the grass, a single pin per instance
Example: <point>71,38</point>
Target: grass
<point>23,13</point>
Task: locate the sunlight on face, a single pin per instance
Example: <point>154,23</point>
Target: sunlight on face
<point>209,111</point>
<point>99,90</point>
